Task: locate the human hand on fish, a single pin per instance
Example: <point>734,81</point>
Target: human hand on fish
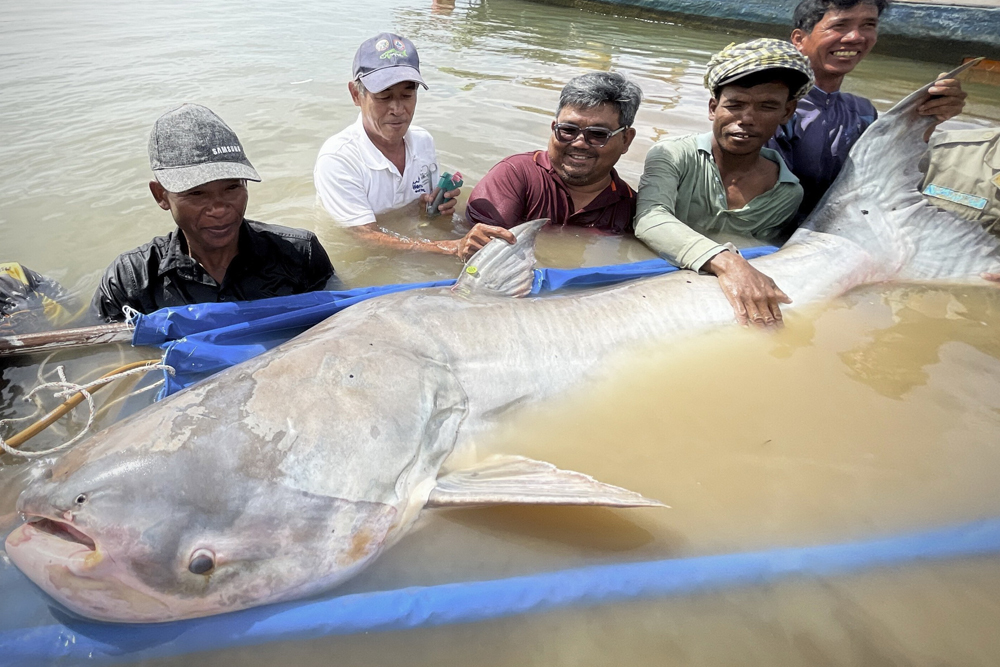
<point>992,277</point>
<point>947,101</point>
<point>478,236</point>
<point>753,296</point>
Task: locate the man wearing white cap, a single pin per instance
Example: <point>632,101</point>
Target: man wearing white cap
<point>381,162</point>
<point>215,254</point>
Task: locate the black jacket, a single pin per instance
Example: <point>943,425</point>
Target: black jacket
<point>272,261</point>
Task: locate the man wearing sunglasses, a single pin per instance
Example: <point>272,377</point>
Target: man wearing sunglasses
<point>574,181</point>
<point>725,182</point>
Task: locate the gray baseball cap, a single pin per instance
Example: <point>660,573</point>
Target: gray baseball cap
<point>190,146</point>
<point>385,60</point>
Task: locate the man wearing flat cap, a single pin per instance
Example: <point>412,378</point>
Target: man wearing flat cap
<point>215,254</point>
<point>725,182</point>
<point>381,162</point>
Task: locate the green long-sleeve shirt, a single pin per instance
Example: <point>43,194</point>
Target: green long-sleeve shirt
<point>681,198</point>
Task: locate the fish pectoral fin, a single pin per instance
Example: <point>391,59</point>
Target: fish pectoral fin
<point>502,269</point>
<point>516,480</point>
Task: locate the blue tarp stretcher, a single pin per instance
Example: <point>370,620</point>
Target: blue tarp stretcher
<point>203,339</point>
<point>74,641</point>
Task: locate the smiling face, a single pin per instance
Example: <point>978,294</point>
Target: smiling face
<point>209,214</point>
<point>744,119</point>
<point>386,115</point>
<point>576,162</point>
<point>838,42</point>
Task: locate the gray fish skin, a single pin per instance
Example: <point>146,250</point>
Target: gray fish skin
<point>297,468</point>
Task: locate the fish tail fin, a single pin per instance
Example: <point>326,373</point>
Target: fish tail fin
<point>876,202</point>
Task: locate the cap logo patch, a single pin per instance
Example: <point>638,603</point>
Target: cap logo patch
<point>393,53</point>
<point>381,45</point>
<point>219,150</point>
<point>398,43</point>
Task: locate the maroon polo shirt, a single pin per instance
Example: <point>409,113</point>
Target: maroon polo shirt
<point>525,187</point>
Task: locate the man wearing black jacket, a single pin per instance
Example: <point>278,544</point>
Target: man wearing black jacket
<point>215,253</point>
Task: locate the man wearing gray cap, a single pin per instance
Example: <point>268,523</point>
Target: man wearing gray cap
<point>381,162</point>
<point>215,254</point>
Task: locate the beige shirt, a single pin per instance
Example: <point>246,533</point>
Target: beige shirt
<point>681,199</point>
<point>963,176</point>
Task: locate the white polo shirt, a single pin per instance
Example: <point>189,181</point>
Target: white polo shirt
<point>356,182</point>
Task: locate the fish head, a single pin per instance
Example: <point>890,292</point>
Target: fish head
<point>274,480</point>
<point>142,536</point>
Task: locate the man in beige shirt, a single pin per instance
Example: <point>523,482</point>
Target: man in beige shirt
<point>963,175</point>
<point>726,181</point>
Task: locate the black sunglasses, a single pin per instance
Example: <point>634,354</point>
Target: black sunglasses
<point>598,137</point>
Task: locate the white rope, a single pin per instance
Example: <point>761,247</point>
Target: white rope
<point>41,372</point>
<point>141,390</point>
<point>68,389</point>
<point>131,315</point>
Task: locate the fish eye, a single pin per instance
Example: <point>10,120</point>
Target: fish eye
<point>202,562</point>
<point>80,499</point>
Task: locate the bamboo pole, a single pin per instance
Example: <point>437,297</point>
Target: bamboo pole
<point>63,339</point>
<point>20,438</point>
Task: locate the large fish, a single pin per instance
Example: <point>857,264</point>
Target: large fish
<point>288,473</point>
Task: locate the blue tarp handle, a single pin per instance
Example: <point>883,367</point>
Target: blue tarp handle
<point>483,600</point>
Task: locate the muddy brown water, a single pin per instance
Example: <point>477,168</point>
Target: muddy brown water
<point>873,415</point>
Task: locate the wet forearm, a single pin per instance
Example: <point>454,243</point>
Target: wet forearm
<point>374,235</point>
<point>674,240</point>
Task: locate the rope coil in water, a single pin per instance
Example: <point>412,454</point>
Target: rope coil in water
<point>78,393</point>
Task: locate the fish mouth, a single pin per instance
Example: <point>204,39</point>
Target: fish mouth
<point>59,541</point>
<point>63,531</point>
<point>65,563</point>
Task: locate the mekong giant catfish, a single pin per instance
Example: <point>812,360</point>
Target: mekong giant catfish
<point>287,474</point>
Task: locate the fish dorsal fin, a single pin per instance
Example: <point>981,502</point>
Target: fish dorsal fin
<point>516,480</point>
<point>502,269</point>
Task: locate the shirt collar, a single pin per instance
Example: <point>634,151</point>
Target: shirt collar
<point>251,245</point>
<point>993,156</point>
<point>704,142</point>
<point>372,156</point>
<point>177,257</point>
<point>543,161</point>
<point>618,187</point>
<point>785,175</point>
<point>820,96</point>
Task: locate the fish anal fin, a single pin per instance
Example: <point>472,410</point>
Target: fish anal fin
<point>516,480</point>
<point>500,268</point>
